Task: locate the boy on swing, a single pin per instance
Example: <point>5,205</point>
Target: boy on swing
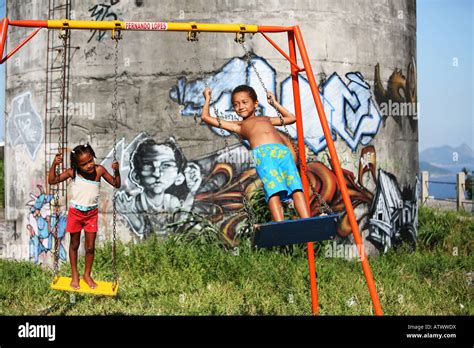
<point>273,159</point>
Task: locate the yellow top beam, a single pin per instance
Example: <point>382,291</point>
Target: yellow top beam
<point>152,26</point>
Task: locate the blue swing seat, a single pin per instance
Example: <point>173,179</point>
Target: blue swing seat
<point>299,231</point>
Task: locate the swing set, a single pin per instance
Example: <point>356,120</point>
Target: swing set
<point>270,234</point>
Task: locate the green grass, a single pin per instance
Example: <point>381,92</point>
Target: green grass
<point>170,278</point>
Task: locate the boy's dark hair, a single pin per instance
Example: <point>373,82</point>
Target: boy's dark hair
<point>245,88</point>
<point>141,149</point>
<point>78,151</point>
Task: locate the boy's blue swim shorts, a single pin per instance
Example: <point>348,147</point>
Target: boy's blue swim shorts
<point>277,170</point>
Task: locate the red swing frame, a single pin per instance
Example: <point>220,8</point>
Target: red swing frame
<point>295,40</point>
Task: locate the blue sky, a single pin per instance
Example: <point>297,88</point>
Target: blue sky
<point>445,91</point>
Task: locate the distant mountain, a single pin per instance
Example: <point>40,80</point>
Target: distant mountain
<point>448,158</point>
<point>425,166</point>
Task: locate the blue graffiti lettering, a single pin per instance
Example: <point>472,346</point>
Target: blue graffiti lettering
<point>350,109</point>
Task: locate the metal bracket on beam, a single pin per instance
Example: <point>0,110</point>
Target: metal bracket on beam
<point>64,31</point>
<point>117,32</point>
<point>240,37</point>
<point>193,34</point>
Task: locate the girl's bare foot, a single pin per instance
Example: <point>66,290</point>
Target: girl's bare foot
<point>87,278</point>
<point>75,282</point>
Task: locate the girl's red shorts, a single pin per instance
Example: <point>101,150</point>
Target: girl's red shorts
<point>78,220</point>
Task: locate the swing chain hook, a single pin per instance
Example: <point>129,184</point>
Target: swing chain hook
<point>239,37</point>
<point>193,36</point>
<point>193,33</point>
<point>64,31</point>
<point>116,34</point>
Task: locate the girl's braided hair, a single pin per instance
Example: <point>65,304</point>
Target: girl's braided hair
<point>78,151</point>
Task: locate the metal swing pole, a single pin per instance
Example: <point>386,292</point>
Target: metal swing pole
<point>304,178</point>
<point>338,171</point>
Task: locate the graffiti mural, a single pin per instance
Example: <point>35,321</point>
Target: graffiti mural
<point>41,227</point>
<point>391,214</point>
<point>350,107</point>
<point>159,181</point>
<point>399,88</point>
<point>394,213</point>
<point>25,126</point>
<point>400,96</point>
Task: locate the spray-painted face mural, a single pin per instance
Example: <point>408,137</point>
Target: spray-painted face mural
<point>166,183</point>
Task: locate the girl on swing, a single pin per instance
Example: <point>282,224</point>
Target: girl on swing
<point>83,209</point>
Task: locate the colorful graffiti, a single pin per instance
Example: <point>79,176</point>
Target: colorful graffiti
<point>350,107</point>
<point>41,226</point>
<point>391,214</point>
<point>25,126</point>
<point>160,182</point>
<point>394,213</point>
<point>155,189</point>
<point>400,97</point>
<point>399,88</point>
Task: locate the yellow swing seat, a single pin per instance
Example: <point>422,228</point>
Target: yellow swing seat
<point>103,288</point>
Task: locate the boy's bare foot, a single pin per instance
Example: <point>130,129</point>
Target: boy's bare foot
<point>75,282</point>
<point>92,284</point>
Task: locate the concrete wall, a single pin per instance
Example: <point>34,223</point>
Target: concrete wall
<point>363,54</point>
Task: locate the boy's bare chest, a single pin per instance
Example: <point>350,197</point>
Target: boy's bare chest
<point>258,124</point>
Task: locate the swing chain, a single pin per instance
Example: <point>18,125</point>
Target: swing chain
<point>206,84</point>
<point>116,38</point>
<point>280,116</point>
<point>63,35</point>
<point>219,116</point>
<point>245,202</point>
<point>322,202</point>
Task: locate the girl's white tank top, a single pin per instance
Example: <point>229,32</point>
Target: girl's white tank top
<point>84,193</point>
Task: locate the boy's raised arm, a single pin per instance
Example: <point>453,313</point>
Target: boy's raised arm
<point>232,126</point>
<point>52,177</point>
<point>288,117</point>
